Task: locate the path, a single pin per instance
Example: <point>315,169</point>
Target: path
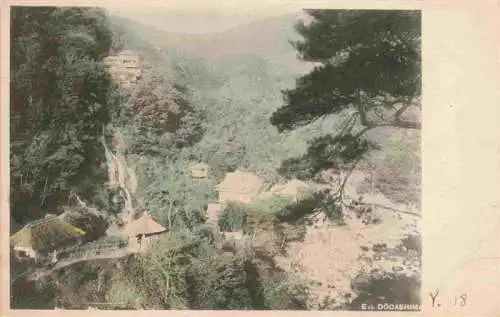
<point>85,253</point>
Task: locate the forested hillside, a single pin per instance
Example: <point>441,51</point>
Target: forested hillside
<point>84,147</point>
<point>66,112</point>
<point>63,102</point>
<point>60,105</point>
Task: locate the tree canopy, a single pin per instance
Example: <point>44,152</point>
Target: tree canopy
<point>368,60</point>
<point>59,93</point>
<point>367,67</point>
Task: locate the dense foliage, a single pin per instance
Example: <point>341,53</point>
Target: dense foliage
<point>369,60</point>
<point>184,110</point>
<point>368,66</point>
<point>59,105</point>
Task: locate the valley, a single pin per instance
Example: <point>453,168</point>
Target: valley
<point>279,214</point>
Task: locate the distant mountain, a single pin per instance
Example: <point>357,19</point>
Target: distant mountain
<point>268,38</point>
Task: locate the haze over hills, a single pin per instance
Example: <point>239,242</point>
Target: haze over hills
<point>269,38</point>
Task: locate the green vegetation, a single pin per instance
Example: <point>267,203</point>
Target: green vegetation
<point>373,76</point>
<point>155,126</point>
<point>47,234</point>
<point>233,217</point>
<point>317,202</point>
<point>185,109</point>
<point>369,70</point>
<point>59,106</point>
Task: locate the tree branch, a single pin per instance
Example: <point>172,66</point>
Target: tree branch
<point>348,123</point>
<point>411,213</point>
<point>360,133</point>
<point>397,122</point>
<point>401,110</point>
<point>406,124</point>
<point>363,116</point>
<point>340,194</point>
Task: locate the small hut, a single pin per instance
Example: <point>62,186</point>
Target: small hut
<point>240,187</point>
<point>142,232</point>
<point>45,237</point>
<point>199,170</point>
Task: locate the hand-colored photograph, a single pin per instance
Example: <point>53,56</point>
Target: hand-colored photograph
<point>215,160</point>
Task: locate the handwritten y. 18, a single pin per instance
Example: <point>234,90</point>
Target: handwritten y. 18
<point>460,300</point>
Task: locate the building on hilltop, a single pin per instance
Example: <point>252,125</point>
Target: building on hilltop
<point>124,68</point>
<point>44,237</point>
<point>240,187</point>
<point>142,232</point>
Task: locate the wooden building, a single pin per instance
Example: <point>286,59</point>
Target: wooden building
<point>124,67</point>
<point>240,187</point>
<point>199,170</point>
<point>45,237</point>
<point>142,232</point>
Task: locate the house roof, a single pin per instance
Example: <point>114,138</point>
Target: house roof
<point>45,234</point>
<point>143,225</point>
<point>241,182</point>
<point>199,166</point>
<point>292,188</point>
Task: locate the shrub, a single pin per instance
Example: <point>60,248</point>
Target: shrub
<point>160,275</point>
<point>281,296</point>
<point>233,217</point>
<point>272,205</point>
<point>242,281</point>
<point>221,283</point>
<point>413,242</point>
<point>297,211</point>
<point>284,209</point>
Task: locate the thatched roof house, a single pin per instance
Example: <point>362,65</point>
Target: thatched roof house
<point>46,235</point>
<point>144,225</point>
<point>142,232</point>
<point>199,170</point>
<point>240,187</point>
